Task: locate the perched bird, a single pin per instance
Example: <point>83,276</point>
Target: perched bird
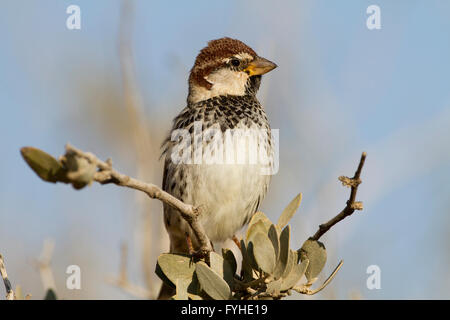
<point>200,169</point>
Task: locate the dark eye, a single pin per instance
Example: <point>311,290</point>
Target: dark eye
<point>235,62</point>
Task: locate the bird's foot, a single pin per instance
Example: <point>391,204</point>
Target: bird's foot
<point>201,254</point>
<point>197,255</point>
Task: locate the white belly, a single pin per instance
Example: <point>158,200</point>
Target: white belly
<point>227,194</point>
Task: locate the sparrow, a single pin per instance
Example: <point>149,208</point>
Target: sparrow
<point>211,156</point>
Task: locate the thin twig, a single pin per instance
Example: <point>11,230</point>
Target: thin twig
<point>351,206</point>
<point>8,287</point>
<point>306,290</point>
<point>331,277</point>
<point>107,174</point>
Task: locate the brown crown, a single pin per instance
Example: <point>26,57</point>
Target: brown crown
<point>212,55</point>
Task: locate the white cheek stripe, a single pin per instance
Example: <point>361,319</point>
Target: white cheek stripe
<point>224,81</point>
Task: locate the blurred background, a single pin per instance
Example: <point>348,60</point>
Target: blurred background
<point>113,87</point>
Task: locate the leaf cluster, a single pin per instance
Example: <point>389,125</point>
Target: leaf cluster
<point>270,268</point>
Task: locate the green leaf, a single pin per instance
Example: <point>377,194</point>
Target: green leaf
<point>194,286</point>
<point>211,282</point>
<point>294,276</point>
<point>257,227</point>
<point>275,239</point>
<point>222,268</point>
<point>181,289</point>
<point>315,252</point>
<point>228,256</point>
<point>216,263</point>
<point>247,262</point>
<point>259,216</point>
<point>283,259</point>
<point>289,211</point>
<point>264,252</point>
<point>43,164</point>
<point>251,256</point>
<point>292,261</point>
<point>175,266</point>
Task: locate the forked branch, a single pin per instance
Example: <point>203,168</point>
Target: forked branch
<point>351,206</point>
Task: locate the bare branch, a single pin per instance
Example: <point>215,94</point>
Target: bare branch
<point>107,174</point>
<point>8,287</point>
<point>351,206</point>
<point>305,288</point>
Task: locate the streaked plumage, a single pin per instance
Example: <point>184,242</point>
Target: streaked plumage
<point>222,95</point>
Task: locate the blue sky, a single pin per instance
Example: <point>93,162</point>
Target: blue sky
<point>340,89</point>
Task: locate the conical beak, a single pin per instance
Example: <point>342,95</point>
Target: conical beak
<point>259,66</point>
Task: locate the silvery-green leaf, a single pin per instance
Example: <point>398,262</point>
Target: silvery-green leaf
<point>283,259</point>
<point>289,211</point>
<point>275,239</point>
<point>43,164</point>
<point>294,276</point>
<point>274,287</point>
<point>292,261</point>
<point>260,216</point>
<point>222,267</point>
<point>211,282</point>
<point>247,271</point>
<point>264,252</point>
<point>216,263</point>
<point>315,252</point>
<point>181,289</point>
<point>257,227</point>
<point>175,266</point>
<point>228,256</point>
<point>251,255</point>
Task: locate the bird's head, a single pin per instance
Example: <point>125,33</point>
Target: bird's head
<point>226,67</point>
